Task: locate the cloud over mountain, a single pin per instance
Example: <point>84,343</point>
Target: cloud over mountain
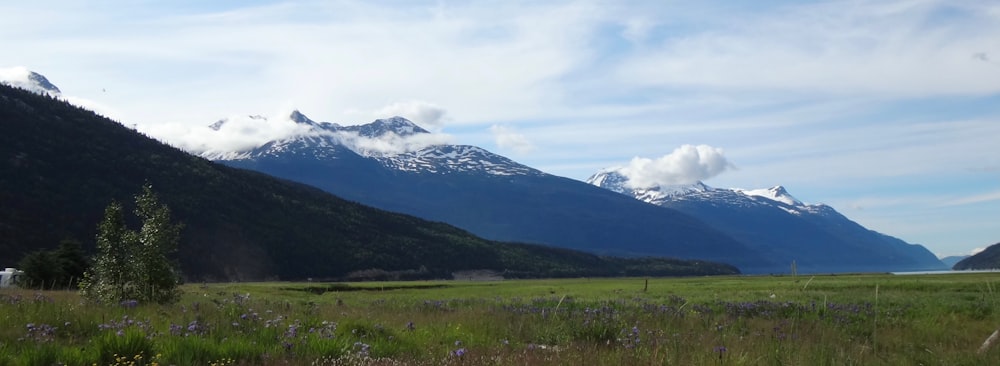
<point>423,113</point>
<point>243,133</point>
<point>24,78</point>
<point>235,133</point>
<point>685,165</point>
<point>507,138</point>
<point>390,143</point>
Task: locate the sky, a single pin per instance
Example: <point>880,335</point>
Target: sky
<point>887,110</point>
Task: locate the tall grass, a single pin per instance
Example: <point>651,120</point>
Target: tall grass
<point>832,320</point>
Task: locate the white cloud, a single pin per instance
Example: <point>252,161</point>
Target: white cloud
<point>242,133</point>
<point>236,133</point>
<point>24,78</point>
<point>868,48</point>
<point>97,107</point>
<point>685,165</point>
<point>391,144</point>
<point>507,138</point>
<point>636,29</point>
<point>425,114</point>
<point>976,250</point>
<point>974,199</point>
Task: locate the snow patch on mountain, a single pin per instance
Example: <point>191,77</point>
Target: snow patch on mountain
<point>395,142</point>
<point>456,159</point>
<point>29,80</point>
<point>776,193</point>
<point>612,179</point>
<point>243,137</point>
<point>24,78</point>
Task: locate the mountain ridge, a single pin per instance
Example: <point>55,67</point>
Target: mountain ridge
<point>62,164</point>
<point>988,258</point>
<point>815,236</point>
<point>22,77</point>
<point>486,193</point>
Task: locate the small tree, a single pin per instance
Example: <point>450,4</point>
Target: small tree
<point>54,269</point>
<point>133,265</point>
<point>41,270</point>
<point>158,238</point>
<point>72,260</point>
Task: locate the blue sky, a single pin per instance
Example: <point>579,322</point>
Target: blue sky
<point>889,111</point>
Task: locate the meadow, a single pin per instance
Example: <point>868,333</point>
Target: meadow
<point>761,320</point>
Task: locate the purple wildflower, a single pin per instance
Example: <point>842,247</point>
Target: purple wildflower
<point>130,304</point>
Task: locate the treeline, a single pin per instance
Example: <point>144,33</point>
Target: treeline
<point>60,268</point>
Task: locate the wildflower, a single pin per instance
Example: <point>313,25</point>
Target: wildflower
<point>129,303</point>
<point>458,352</point>
<point>293,331</point>
<point>362,348</point>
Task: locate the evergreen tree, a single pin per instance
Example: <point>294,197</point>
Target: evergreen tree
<point>54,269</point>
<point>133,265</point>
<point>72,260</point>
<point>41,270</point>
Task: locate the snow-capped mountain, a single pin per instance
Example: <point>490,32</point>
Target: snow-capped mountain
<point>455,159</point>
<point>29,80</point>
<point>396,165</point>
<point>815,236</point>
<point>24,78</point>
<point>776,196</point>
<point>395,143</point>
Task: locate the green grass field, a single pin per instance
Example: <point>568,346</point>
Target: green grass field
<point>805,320</point>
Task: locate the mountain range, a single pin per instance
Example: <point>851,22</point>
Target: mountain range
<point>485,193</point>
<point>760,231</point>
<point>60,165</point>
<point>394,165</point>
<point>952,260</point>
<point>772,221</point>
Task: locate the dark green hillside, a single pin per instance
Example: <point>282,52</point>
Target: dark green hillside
<point>986,259</point>
<point>61,165</point>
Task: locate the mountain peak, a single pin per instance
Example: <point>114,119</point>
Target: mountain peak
<point>776,193</point>
<point>612,179</point>
<point>29,80</point>
<point>300,118</point>
<point>217,125</point>
<point>398,125</point>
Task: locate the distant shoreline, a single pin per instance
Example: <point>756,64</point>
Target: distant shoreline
<point>950,271</point>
